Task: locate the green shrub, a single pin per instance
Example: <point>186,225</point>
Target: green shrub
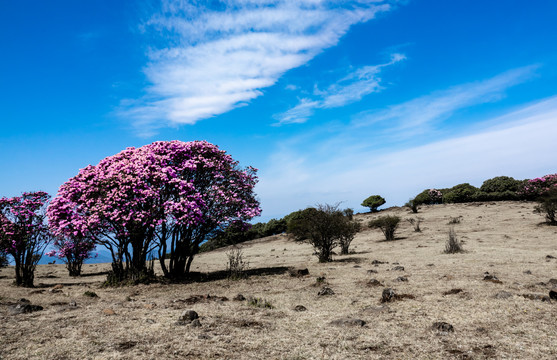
<point>387,224</point>
<point>412,205</point>
<point>500,184</point>
<point>373,202</point>
<point>548,206</point>
<point>460,193</point>
<point>429,197</point>
<point>324,227</point>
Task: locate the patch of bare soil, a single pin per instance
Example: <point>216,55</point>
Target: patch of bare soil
<point>495,300</point>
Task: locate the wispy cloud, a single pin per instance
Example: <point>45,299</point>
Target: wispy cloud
<point>416,116</point>
<point>347,90</point>
<point>221,57</point>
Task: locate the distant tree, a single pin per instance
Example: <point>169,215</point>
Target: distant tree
<point>73,250</point>
<point>500,184</point>
<point>373,202</point>
<point>24,233</point>
<point>388,225</point>
<point>460,193</point>
<point>325,227</point>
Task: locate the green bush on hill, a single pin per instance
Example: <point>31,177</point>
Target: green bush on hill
<point>373,202</point>
<point>460,193</point>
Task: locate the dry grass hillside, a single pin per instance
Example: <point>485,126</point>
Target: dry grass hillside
<point>508,317</point>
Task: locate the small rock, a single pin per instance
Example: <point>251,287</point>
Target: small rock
<point>371,271</point>
<point>73,303</point>
<point>356,266</point>
<point>348,322</point>
<point>377,262</point>
<point>108,312</point>
<point>195,323</point>
<point>402,279</point>
<point>552,282</point>
<point>298,272</point>
<point>24,307</point>
<point>58,287</point>
<point>553,295</point>
<point>550,257</point>
<point>492,278</point>
<point>374,282</point>
<point>239,297</point>
<point>149,306</point>
<point>188,316</point>
<point>325,291</point>
<point>376,309</point>
<point>398,268</point>
<point>503,295</point>
<point>150,321</point>
<point>442,327</point>
<point>203,337</point>
<point>300,308</point>
<point>430,265</point>
<point>528,272</point>
<point>388,295</point>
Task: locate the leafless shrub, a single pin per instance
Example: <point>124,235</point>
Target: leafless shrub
<point>453,245</point>
<point>415,223</point>
<point>236,265</point>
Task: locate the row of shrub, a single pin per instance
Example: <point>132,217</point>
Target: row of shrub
<point>499,188</point>
<point>240,232</point>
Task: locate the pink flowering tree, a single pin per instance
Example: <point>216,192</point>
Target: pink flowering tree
<point>165,195</point>
<point>24,234</point>
<point>73,250</point>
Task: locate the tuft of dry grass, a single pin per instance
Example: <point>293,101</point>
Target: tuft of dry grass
<point>453,245</point>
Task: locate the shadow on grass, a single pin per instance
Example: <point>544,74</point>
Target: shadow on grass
<point>349,260</point>
<point>395,239</point>
<point>99,273</point>
<point>221,275</point>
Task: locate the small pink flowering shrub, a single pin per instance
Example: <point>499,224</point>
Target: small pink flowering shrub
<point>534,188</point>
<point>429,197</point>
<point>73,251</point>
<point>24,233</point>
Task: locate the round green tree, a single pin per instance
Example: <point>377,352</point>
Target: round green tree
<point>373,202</point>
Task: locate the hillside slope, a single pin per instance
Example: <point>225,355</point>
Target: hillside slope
<point>490,319</point>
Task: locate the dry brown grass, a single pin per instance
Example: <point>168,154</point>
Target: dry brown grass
<point>504,239</point>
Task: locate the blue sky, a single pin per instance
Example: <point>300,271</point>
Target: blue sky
<point>332,100</point>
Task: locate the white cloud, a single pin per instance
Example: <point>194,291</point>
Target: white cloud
<point>219,59</point>
<point>350,89</point>
<point>519,144</point>
<point>416,116</point>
